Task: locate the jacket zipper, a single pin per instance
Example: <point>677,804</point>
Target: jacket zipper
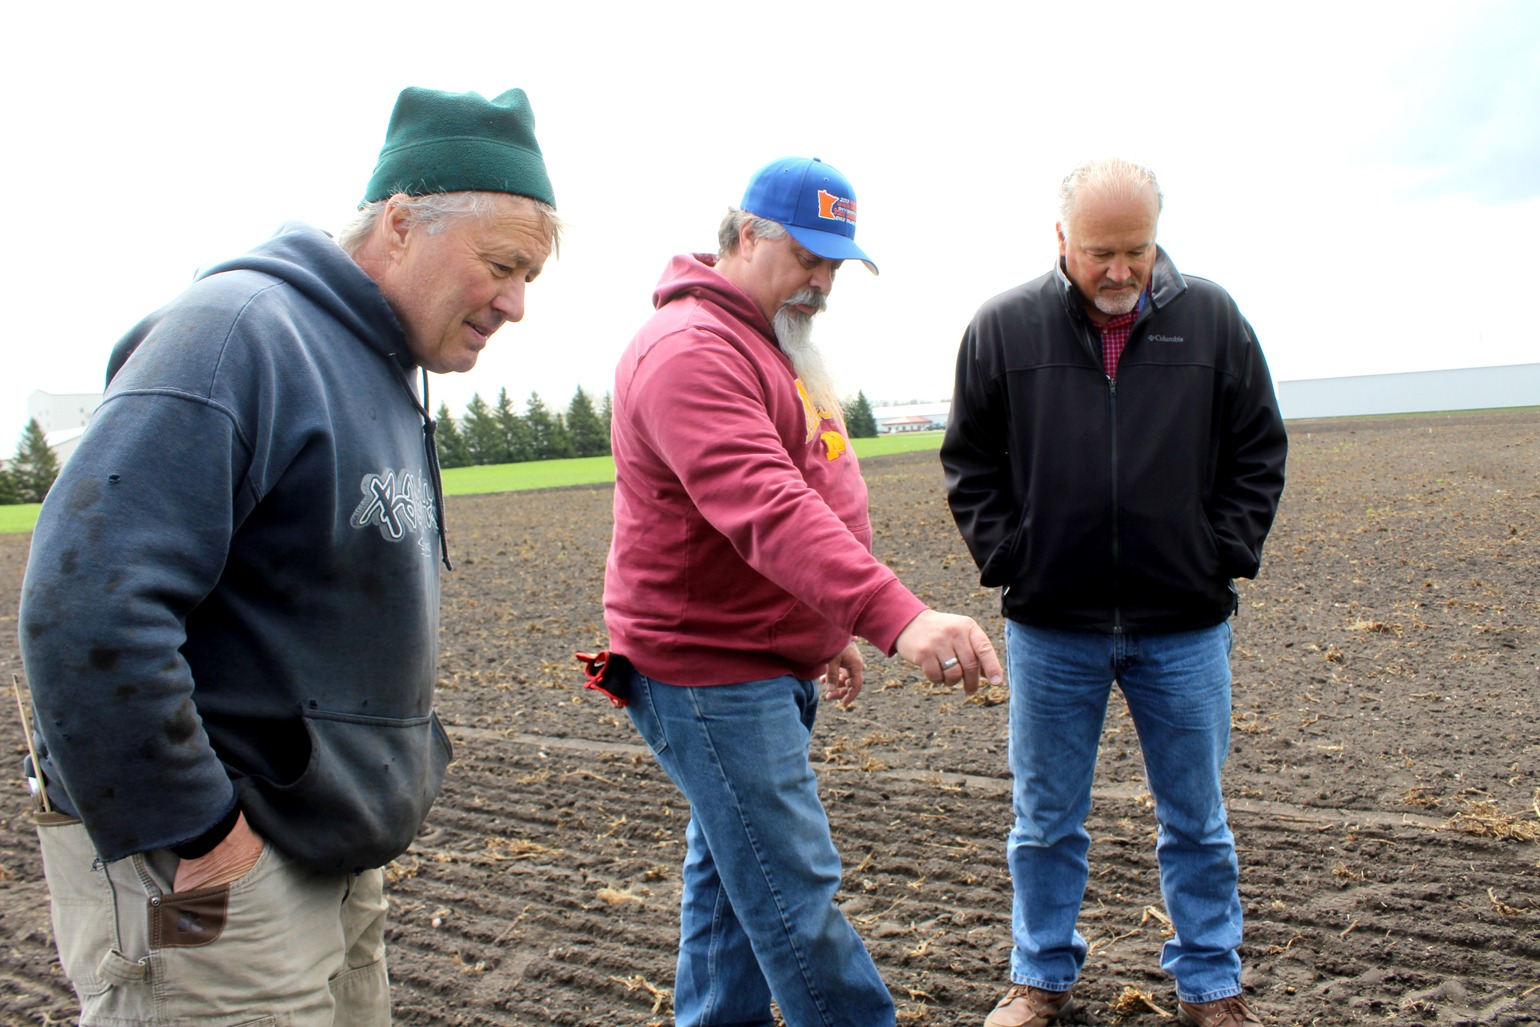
<point>1117,548</point>
<point>1112,435</point>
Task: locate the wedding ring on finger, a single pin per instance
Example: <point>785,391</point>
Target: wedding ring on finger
<point>949,664</point>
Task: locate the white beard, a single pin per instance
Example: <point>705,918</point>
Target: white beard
<point>794,331</point>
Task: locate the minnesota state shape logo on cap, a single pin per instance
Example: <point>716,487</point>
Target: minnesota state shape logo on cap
<point>836,208</point>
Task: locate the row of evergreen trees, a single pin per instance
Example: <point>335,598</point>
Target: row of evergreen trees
<point>501,435</point>
<point>487,434</point>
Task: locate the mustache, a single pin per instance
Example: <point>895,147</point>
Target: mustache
<point>808,297</point>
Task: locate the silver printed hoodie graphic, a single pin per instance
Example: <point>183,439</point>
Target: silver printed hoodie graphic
<point>399,503</point>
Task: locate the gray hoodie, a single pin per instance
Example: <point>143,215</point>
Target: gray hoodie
<point>232,596</point>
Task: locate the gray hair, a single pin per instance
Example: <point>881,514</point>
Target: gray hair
<point>732,224</point>
<point>1111,177</point>
<point>434,212</point>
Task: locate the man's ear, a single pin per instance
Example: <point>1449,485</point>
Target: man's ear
<point>396,223</point>
<point>747,239</point>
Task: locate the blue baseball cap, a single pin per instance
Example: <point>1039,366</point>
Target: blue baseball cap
<point>813,202</point>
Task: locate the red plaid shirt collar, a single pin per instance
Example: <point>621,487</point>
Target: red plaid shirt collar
<point>1116,333</point>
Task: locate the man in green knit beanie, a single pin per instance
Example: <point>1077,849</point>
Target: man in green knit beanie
<point>247,541</point>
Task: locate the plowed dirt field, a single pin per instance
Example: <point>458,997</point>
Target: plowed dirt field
<point>1384,783</point>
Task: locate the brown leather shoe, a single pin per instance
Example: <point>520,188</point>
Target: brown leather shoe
<point>1025,1006</point>
<point>1224,1012</point>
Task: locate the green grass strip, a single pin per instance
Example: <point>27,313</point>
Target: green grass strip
<point>20,517</point>
<point>598,470</point>
<point>537,474</point>
<point>904,442</point>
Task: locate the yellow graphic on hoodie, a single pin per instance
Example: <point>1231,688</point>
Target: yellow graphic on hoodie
<point>834,442</point>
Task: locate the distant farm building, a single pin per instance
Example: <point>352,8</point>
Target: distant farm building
<point>911,417</point>
<point>1466,388</point>
<point>1405,392</point>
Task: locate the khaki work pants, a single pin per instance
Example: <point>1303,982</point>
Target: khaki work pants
<point>283,945</point>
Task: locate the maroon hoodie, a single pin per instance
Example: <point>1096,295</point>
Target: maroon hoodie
<point>742,545</point>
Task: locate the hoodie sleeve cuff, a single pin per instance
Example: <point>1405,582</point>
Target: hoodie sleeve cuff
<point>205,842</point>
<point>888,614</point>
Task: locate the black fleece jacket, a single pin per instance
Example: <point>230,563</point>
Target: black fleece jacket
<point>1126,504</point>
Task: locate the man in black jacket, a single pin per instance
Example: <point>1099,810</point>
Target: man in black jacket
<point>1114,461</point>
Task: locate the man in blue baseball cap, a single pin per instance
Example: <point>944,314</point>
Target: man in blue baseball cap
<point>739,575</point>
<point>782,247</point>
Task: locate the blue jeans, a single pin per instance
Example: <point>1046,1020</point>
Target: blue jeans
<point>758,917</point>
<point>1178,690</point>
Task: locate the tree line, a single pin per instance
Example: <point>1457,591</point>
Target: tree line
<point>486,434</point>
<point>499,434</point>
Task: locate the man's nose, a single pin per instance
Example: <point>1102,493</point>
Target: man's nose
<point>823,277</point>
<point>510,300</point>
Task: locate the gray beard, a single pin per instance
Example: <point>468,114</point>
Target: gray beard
<point>1115,307</point>
<point>794,331</point>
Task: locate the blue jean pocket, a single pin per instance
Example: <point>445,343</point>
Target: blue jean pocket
<point>644,714</point>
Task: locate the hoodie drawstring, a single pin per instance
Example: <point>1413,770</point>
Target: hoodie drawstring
<point>430,447</point>
<point>430,444</point>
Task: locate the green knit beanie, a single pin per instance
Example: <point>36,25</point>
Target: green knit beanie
<point>441,142</point>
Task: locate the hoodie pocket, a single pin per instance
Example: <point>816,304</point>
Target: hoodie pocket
<point>364,793</point>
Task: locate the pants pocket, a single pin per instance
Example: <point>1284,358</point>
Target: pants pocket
<point>644,713</point>
<point>241,953</point>
<point>82,909</point>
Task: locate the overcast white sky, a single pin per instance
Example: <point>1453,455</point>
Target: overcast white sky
<point>1364,177</point>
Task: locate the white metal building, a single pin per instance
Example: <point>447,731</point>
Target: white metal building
<point>1466,388</point>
